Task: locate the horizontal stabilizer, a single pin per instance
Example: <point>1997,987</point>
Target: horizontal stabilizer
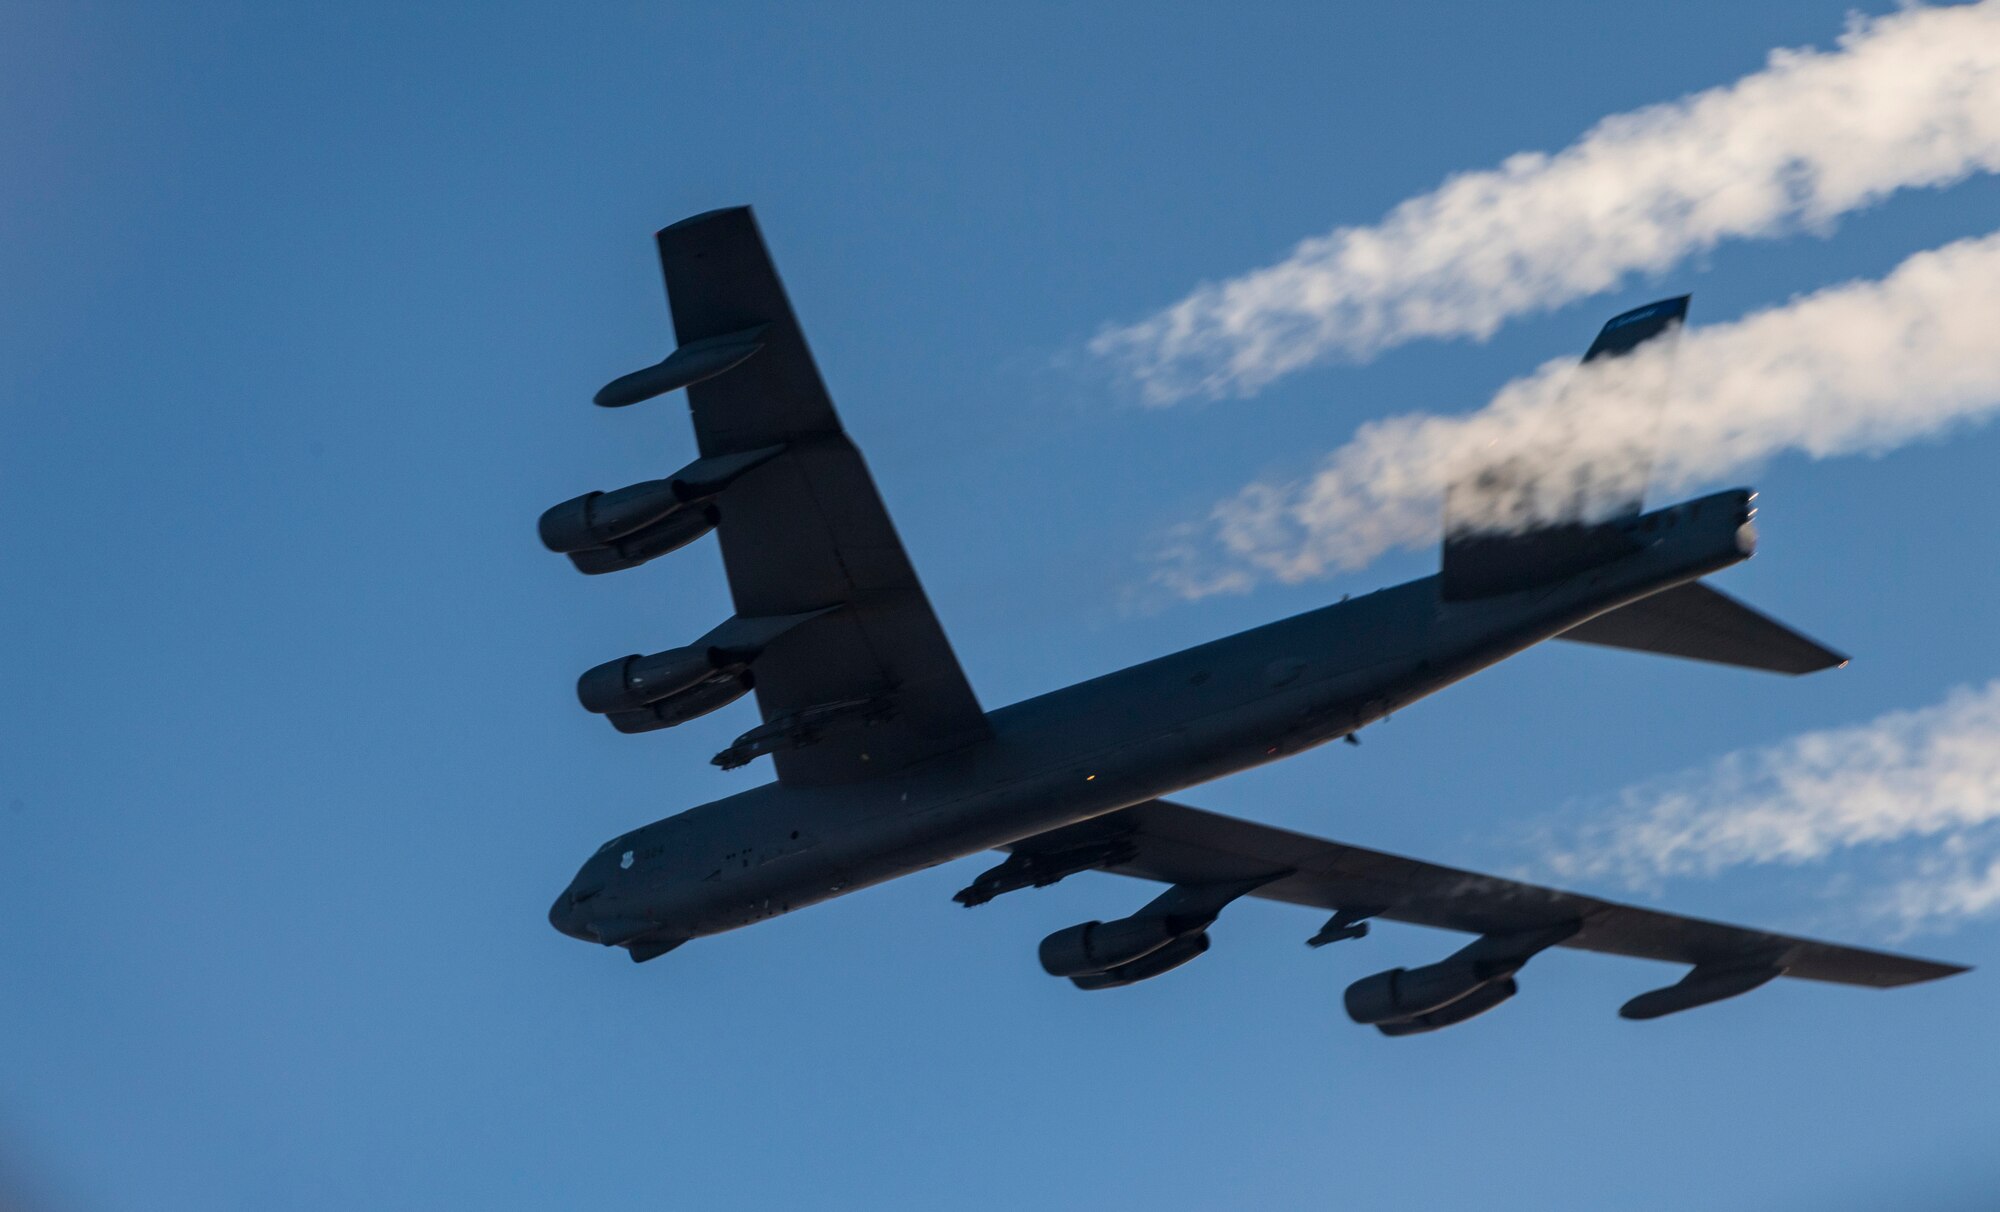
<point>1704,624</point>
<point>1624,333</point>
<point>1522,519</point>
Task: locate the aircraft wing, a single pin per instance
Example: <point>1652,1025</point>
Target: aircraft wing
<point>1173,843</point>
<point>805,530</point>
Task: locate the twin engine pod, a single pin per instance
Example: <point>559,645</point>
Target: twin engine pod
<point>688,705</point>
<point>644,693</point>
<point>1107,955</point>
<point>1408,1001</point>
<point>1167,933</point>
<point>632,682</point>
<point>608,531</point>
<point>1478,977</point>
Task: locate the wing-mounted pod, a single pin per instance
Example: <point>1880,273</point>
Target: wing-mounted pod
<point>1478,977</point>
<point>688,705</point>
<point>1171,930</point>
<point>1349,922</point>
<point>1040,868</point>
<point>1703,984</point>
<point>644,693</point>
<point>690,364</point>
<point>608,531</point>
<point>806,726</point>
<point>1166,959</point>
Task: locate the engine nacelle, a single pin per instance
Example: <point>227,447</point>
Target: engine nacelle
<point>1166,959</point>
<point>1473,1004</point>
<point>685,706</point>
<point>1100,946</point>
<point>1402,993</point>
<point>1408,992</point>
<point>597,518</point>
<point>608,531</point>
<point>670,533</point>
<point>632,682</point>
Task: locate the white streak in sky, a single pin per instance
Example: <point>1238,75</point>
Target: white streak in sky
<point>1907,100</point>
<point>1929,776</point>
<point>1856,368</point>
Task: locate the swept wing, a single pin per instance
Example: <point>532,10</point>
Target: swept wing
<point>806,529</point>
<point>1175,844</point>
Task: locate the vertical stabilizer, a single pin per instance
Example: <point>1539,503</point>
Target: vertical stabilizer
<point>1534,516</point>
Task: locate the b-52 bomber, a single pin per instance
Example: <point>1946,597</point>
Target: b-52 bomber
<point>887,764</point>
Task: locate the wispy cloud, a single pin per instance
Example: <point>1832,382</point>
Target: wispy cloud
<point>1907,100</point>
<point>1928,777</point>
<point>1856,368</point>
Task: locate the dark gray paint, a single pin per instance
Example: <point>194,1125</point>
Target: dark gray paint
<point>1075,776</point>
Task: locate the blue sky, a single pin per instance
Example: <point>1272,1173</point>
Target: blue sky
<point>305,311</point>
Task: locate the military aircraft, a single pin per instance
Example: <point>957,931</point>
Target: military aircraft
<point>887,764</point>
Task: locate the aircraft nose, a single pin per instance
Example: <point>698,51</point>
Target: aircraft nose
<point>564,917</point>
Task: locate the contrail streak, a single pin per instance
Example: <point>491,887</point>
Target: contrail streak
<point>1856,368</point>
<point>1907,100</point>
<point>1929,776</point>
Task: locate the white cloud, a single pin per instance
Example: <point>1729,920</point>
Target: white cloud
<point>1928,777</point>
<point>1856,368</point>
<point>1961,882</point>
<point>1907,100</point>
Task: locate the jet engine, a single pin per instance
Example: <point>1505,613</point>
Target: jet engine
<point>1168,932</point>
<point>687,705</point>
<point>597,518</point>
<point>671,533</point>
<point>608,531</point>
<point>1166,959</point>
<point>1095,947</point>
<point>1409,992</point>
<point>644,693</point>
<point>630,683</point>
<point>1478,977</point>
<point>1473,1004</point>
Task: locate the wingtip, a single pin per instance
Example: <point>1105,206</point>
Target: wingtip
<point>1926,970</point>
<point>1674,308</point>
<point>707,216</point>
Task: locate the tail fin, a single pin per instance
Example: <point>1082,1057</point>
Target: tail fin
<point>1518,523</point>
<point>1704,624</point>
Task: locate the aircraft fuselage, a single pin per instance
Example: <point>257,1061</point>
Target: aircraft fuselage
<point>1113,741</point>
